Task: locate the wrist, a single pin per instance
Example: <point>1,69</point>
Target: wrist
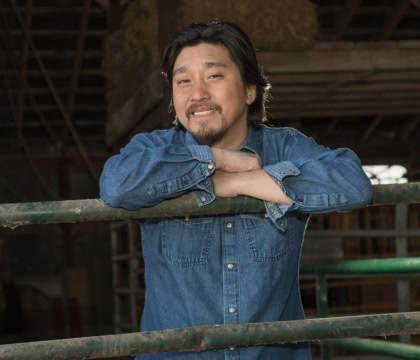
<point>240,182</point>
<point>218,157</point>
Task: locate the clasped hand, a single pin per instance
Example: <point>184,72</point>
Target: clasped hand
<point>232,167</point>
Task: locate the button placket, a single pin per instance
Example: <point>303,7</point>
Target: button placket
<point>230,276</point>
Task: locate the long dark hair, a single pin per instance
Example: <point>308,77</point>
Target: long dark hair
<point>241,51</point>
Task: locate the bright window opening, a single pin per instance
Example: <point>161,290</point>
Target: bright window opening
<point>385,174</point>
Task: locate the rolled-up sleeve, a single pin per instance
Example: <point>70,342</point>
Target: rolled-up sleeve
<point>317,179</point>
<point>149,170</point>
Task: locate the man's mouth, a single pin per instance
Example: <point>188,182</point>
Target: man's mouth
<point>202,110</point>
<point>202,113</point>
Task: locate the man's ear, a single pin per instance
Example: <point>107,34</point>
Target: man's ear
<point>251,94</point>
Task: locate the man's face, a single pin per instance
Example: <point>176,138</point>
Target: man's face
<point>209,96</point>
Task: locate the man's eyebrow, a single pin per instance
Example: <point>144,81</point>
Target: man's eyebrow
<point>180,70</point>
<point>207,64</point>
<point>211,64</point>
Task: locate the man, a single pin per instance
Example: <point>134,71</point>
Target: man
<point>232,269</point>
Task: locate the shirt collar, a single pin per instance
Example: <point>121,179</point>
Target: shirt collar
<point>251,142</point>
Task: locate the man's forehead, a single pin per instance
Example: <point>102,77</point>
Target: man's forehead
<point>204,55</point>
<point>205,64</point>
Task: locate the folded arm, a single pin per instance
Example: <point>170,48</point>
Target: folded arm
<point>151,169</point>
<point>310,179</point>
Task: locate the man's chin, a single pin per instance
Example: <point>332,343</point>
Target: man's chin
<point>209,137</point>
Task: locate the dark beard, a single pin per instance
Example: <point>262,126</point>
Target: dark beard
<point>205,136</point>
<point>209,137</point>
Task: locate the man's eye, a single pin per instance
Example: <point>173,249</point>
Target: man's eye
<point>215,76</point>
<point>182,81</point>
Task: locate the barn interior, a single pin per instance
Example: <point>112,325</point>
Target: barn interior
<point>81,77</point>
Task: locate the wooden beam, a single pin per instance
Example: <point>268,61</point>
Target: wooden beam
<point>10,187</point>
<point>60,33</point>
<point>342,112</point>
<point>366,10</point>
<point>103,3</point>
<point>343,57</point>
<point>42,91</point>
<point>88,54</point>
<point>416,3</point>
<point>325,134</point>
<point>46,187</point>
<point>22,77</point>
<point>35,124</point>
<point>329,92</point>
<point>351,97</point>
<point>344,18</point>
<point>48,10</point>
<point>374,124</point>
<point>89,140</point>
<point>400,34</point>
<point>407,128</point>
<point>53,108</point>
<point>123,119</point>
<point>345,104</point>
<point>344,76</point>
<point>26,90</point>
<point>391,24</point>
<point>55,95</point>
<point>367,87</point>
<point>84,23</point>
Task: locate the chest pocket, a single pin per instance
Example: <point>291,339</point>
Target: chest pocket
<point>186,241</point>
<point>266,241</point>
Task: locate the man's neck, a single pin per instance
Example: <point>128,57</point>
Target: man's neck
<point>234,141</point>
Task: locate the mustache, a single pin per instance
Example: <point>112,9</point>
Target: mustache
<point>207,105</point>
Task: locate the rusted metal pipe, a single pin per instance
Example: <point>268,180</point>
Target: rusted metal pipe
<point>214,337</point>
<point>13,215</point>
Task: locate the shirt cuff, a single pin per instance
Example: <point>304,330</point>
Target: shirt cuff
<point>207,193</point>
<point>278,172</point>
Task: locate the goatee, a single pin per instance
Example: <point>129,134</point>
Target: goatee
<point>208,137</point>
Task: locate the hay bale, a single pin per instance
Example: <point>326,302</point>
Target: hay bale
<point>271,24</point>
<point>134,42</point>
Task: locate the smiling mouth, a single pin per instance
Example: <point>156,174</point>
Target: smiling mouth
<point>203,113</point>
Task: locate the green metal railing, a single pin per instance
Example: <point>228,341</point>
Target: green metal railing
<point>214,337</point>
<point>381,347</point>
<point>373,266</point>
<point>13,215</point>
<point>223,336</point>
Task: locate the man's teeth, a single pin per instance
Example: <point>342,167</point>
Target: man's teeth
<point>203,112</point>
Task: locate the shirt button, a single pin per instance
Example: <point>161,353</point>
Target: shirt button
<point>229,225</point>
<point>203,199</point>
<point>232,348</point>
<point>232,310</point>
<point>230,266</point>
<point>210,166</point>
<point>266,215</point>
<point>187,218</point>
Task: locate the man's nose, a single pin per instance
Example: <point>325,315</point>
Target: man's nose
<point>200,91</point>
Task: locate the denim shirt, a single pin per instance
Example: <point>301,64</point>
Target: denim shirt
<point>228,269</point>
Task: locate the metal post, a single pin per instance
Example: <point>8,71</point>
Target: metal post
<point>401,245</point>
<point>322,308</point>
